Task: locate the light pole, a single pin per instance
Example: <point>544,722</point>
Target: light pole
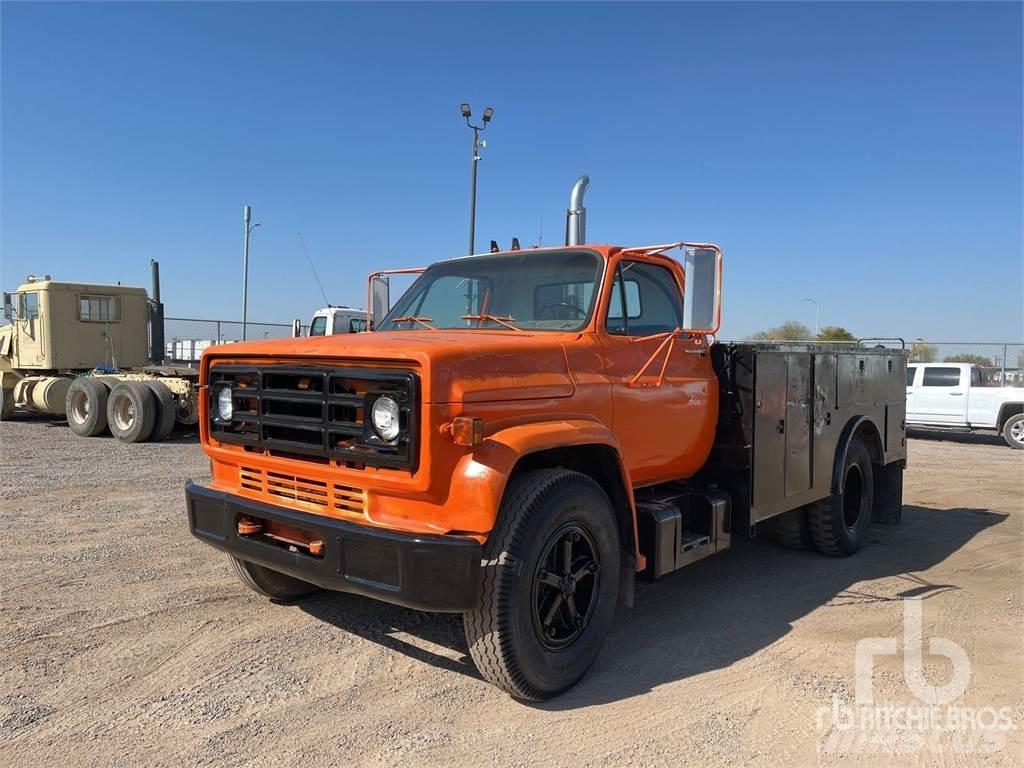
<point>817,315</point>
<point>246,219</point>
<point>477,146</point>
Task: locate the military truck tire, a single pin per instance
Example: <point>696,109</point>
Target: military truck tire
<point>549,584</point>
<point>165,412</point>
<point>263,581</point>
<point>86,406</point>
<point>131,411</point>
<point>839,523</point>
<point>1013,431</point>
<point>792,529</point>
<point>7,409</point>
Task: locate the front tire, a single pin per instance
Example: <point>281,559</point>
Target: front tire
<point>839,523</point>
<point>1013,431</point>
<point>549,585</point>
<point>263,581</point>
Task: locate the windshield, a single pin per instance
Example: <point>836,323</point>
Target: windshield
<point>527,290</point>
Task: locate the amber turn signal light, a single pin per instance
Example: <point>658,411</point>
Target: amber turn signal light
<point>316,547</point>
<point>467,430</point>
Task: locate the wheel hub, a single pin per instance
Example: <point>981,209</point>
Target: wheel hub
<point>565,586</point>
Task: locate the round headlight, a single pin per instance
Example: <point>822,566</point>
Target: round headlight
<point>385,417</point>
<point>225,405</point>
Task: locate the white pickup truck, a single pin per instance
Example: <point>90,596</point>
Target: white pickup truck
<point>331,320</point>
<point>954,396</point>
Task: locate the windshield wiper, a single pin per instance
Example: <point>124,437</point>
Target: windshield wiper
<point>424,321</point>
<point>494,319</point>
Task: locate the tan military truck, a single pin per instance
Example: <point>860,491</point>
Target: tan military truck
<point>93,353</point>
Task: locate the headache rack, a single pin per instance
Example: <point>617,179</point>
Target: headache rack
<point>313,411</point>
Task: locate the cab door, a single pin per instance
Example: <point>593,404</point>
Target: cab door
<point>941,395</point>
<point>664,393</point>
<point>29,330</point>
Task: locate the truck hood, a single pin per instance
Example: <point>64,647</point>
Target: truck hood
<point>455,366</point>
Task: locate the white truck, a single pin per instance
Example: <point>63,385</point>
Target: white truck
<point>959,397</point>
<point>331,320</point>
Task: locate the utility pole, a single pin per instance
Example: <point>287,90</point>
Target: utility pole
<point>474,159</point>
<point>246,219</point>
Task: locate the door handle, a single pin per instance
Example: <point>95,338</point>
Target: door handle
<point>955,394</point>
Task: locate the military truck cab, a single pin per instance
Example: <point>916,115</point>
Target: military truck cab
<point>85,351</point>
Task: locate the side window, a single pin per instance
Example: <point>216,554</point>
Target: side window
<point>911,373</point>
<point>356,325</point>
<point>976,377</point>
<point>318,327</point>
<point>941,377</point>
<point>651,299</point>
<point>99,309</point>
<point>28,305</point>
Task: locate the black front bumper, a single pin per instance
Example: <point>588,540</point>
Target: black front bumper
<point>427,572</point>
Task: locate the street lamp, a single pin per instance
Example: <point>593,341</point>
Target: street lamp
<point>477,146</point>
<point>246,218</point>
<point>817,315</point>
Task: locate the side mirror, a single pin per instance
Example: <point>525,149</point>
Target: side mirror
<point>296,328</point>
<point>702,295</point>
<point>8,306</point>
<point>380,299</point>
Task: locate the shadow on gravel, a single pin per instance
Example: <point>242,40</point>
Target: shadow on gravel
<point>703,617</point>
<point>384,624</point>
<point>31,417</point>
<point>964,438</point>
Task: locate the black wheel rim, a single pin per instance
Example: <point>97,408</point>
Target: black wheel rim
<point>853,497</point>
<point>565,586</point>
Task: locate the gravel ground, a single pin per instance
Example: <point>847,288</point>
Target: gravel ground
<point>124,641</point>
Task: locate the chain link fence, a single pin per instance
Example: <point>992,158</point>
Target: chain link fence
<point>185,338</point>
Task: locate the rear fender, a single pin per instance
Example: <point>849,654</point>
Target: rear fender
<point>480,477</point>
<point>868,430</point>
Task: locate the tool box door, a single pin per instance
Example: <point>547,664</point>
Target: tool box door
<point>770,390</point>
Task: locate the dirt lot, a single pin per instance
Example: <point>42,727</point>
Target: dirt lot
<point>125,641</point>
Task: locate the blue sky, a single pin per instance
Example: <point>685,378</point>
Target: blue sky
<point>865,154</point>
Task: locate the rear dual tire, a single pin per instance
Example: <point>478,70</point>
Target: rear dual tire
<point>134,411</point>
<point>131,411</point>
<point>839,523</point>
<point>86,406</point>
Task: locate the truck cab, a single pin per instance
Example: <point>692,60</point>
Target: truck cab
<point>333,320</point>
<point>963,396</point>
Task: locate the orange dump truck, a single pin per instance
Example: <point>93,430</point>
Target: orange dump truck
<point>524,432</point>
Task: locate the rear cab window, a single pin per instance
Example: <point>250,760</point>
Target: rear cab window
<point>936,376</point>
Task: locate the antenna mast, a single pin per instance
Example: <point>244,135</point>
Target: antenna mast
<point>315,275</point>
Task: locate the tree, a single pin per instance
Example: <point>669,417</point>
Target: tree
<point>835,333</point>
<point>790,330</point>
<point>923,352</point>
<point>970,357</point>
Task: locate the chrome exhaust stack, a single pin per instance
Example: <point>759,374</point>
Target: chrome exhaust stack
<point>576,216</point>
